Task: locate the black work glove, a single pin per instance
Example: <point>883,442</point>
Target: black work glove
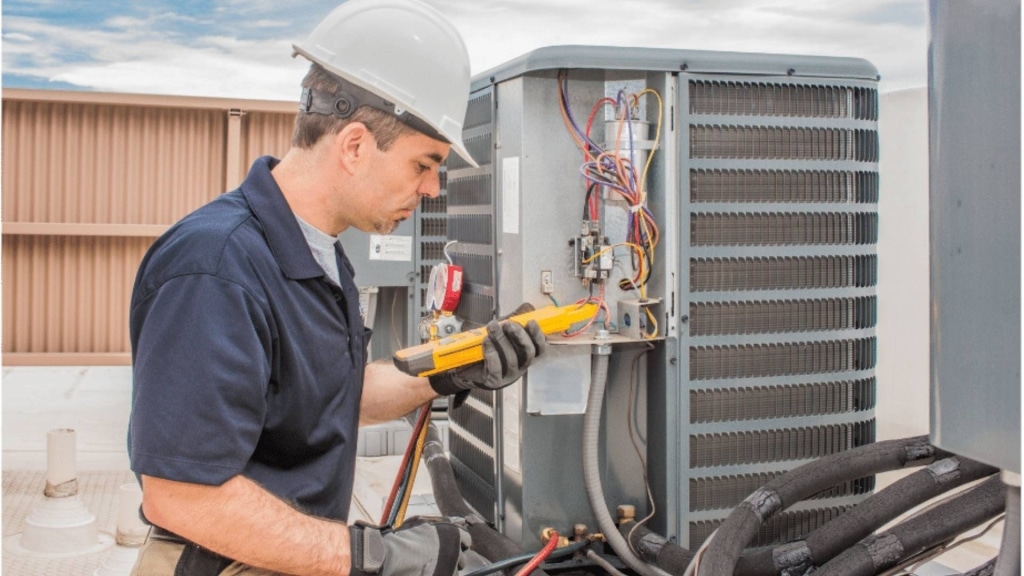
<point>420,547</point>
<point>508,350</point>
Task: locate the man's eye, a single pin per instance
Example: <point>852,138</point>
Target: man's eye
<point>421,168</point>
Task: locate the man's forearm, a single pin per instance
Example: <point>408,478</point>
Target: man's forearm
<point>388,393</point>
<point>244,522</point>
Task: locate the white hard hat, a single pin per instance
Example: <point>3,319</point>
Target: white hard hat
<point>406,53</point>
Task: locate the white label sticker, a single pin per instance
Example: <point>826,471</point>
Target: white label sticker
<point>392,248</point>
<point>510,195</point>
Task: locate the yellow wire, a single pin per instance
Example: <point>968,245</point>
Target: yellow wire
<point>612,247</point>
<point>642,287</point>
<point>653,322</point>
<point>657,139</point>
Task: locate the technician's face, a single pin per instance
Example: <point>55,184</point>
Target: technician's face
<point>400,177</point>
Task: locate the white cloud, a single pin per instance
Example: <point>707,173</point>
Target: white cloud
<point>166,52</point>
<point>802,28</point>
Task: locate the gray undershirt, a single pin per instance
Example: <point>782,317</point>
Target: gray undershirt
<point>322,246</point>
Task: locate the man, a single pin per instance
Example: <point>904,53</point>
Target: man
<point>248,347</point>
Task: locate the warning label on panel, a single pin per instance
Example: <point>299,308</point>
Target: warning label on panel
<point>392,248</point>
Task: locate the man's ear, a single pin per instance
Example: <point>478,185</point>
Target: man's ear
<point>353,145</point>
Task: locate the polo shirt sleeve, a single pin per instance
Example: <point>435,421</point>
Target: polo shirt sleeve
<point>201,371</point>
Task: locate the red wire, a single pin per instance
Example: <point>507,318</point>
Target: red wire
<point>541,556</point>
<point>405,463</point>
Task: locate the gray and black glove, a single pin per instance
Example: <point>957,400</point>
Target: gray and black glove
<point>420,547</point>
<point>508,350</point>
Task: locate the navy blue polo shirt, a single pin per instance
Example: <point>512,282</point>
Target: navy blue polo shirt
<point>246,359</point>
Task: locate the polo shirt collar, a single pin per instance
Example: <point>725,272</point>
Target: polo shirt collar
<point>284,236</point>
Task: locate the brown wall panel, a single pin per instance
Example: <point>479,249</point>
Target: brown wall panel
<point>68,294</point>
<point>89,163</point>
<point>89,180</point>
<point>266,134</point>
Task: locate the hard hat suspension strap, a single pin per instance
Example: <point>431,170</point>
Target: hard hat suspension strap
<point>344,103</point>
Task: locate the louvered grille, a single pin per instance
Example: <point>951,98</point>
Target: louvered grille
<point>783,186</point>
<point>726,492</point>
<point>479,111</point>
<point>470,191</point>
<point>780,273</point>
<point>435,205</point>
<point>778,143</point>
<point>433,226</point>
<point>477,268</point>
<point>784,401</point>
<point>763,360</point>
<point>794,100</point>
<point>432,250</point>
<point>475,423</point>
<point>780,528</point>
<point>770,317</point>
<point>475,228</point>
<point>477,308</point>
<point>777,445</point>
<point>785,229</point>
<point>479,147</point>
<point>478,492</point>
<point>472,457</point>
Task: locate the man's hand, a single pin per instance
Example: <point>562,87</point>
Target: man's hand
<point>418,547</point>
<point>508,350</point>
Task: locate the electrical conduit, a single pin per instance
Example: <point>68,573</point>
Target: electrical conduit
<point>591,469</point>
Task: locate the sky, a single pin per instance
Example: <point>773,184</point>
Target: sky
<point>242,48</point>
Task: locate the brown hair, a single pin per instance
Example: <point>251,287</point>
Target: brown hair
<point>310,128</point>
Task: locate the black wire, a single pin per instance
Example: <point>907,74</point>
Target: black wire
<point>626,284</point>
<point>586,200</point>
<point>524,558</point>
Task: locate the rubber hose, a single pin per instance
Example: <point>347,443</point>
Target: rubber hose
<point>487,542</point>
<point>592,473</point>
<point>919,533</point>
<point>743,524</point>
<point>851,527</point>
<point>655,549</point>
<point>1008,561</point>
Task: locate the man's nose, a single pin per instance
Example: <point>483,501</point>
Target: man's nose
<point>430,186</point>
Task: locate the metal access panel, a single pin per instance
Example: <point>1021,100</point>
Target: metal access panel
<point>974,129</point>
<point>765,188</point>
<point>385,267</point>
<point>512,219</point>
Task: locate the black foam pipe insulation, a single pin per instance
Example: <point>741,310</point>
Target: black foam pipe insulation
<point>743,524</point>
<point>930,528</point>
<point>871,514</point>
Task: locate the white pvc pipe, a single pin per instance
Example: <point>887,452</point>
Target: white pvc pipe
<point>61,468</point>
<point>131,530</point>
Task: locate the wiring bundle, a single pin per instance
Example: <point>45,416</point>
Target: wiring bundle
<point>614,170</point>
